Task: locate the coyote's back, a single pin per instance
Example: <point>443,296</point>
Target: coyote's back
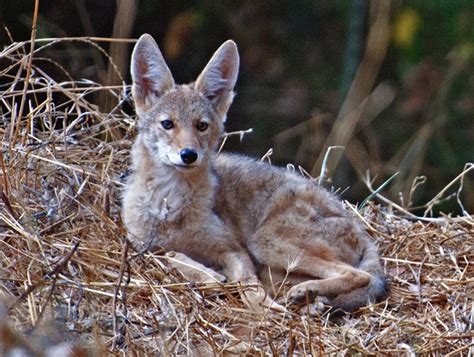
<point>239,216</point>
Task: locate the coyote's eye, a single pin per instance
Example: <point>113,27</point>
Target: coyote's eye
<point>167,124</point>
<point>202,125</point>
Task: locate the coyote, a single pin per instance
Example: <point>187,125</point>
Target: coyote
<point>244,218</point>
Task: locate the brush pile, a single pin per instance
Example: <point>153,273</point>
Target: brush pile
<point>65,266</point>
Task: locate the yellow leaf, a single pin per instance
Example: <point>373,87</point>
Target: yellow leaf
<point>405,27</point>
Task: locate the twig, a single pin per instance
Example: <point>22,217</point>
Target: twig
<point>432,202</point>
<point>7,203</point>
<point>375,192</point>
<point>240,133</point>
<point>27,77</point>
<point>336,157</point>
<point>403,210</point>
<point>119,336</point>
<point>61,265</point>
<point>357,97</point>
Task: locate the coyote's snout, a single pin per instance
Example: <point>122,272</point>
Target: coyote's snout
<point>241,217</point>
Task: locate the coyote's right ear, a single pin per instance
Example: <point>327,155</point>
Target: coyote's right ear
<point>150,74</point>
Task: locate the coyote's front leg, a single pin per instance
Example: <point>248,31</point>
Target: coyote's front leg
<point>238,266</point>
<point>193,270</point>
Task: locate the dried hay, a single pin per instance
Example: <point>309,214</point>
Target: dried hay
<point>63,257</point>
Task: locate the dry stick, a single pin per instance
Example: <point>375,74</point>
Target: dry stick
<point>324,170</point>
<point>123,23</point>
<point>48,298</point>
<point>7,203</point>
<point>432,202</point>
<point>27,77</point>
<point>241,134</point>
<point>403,210</point>
<point>92,43</point>
<point>60,164</point>
<point>299,129</point>
<point>270,343</point>
<point>5,185</point>
<point>377,44</point>
<point>85,38</point>
<point>81,90</point>
<point>308,326</point>
<point>124,265</point>
<point>58,86</point>
<point>61,265</point>
<point>291,339</point>
<point>16,45</point>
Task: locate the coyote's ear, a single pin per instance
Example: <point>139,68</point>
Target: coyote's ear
<point>217,80</point>
<point>150,74</point>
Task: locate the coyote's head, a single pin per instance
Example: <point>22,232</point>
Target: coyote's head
<point>180,125</point>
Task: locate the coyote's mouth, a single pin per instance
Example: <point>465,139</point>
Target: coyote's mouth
<point>184,167</point>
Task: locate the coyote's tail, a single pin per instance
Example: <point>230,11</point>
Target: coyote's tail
<point>377,290</point>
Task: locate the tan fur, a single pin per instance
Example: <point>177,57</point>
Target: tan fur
<point>234,214</point>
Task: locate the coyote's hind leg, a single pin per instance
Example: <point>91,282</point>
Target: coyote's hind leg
<point>339,278</point>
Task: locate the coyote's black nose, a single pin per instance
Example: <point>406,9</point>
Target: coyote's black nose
<point>188,156</point>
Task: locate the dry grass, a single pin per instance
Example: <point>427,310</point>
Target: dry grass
<point>63,256</point>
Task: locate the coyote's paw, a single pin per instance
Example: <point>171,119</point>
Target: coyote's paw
<point>302,293</point>
<point>271,304</point>
<point>258,300</point>
<point>192,270</point>
<point>305,293</point>
<point>316,308</point>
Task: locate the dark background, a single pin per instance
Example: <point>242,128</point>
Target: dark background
<point>410,110</point>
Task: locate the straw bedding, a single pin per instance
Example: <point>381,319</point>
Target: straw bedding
<point>67,274</point>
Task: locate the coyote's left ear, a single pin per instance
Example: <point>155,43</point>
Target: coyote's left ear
<point>217,80</point>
